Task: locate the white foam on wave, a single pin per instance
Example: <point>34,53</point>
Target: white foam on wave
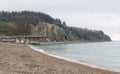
<point>40,50</point>
<point>56,56</point>
<point>66,59</point>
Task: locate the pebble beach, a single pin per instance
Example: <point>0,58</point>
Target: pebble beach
<point>21,59</point>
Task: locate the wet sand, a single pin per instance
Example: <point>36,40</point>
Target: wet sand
<point>21,59</point>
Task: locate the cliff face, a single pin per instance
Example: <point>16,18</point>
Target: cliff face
<point>36,23</point>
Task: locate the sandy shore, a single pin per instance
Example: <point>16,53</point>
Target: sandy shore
<point>21,59</point>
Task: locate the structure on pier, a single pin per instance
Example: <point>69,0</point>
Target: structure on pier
<point>23,39</point>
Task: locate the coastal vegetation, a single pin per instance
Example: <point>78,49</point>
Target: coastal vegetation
<point>38,23</point>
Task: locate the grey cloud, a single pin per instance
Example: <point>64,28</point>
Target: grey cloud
<point>98,14</point>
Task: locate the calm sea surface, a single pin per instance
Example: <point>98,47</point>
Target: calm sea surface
<point>104,55</point>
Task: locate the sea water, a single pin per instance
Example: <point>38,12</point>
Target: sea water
<point>105,55</point>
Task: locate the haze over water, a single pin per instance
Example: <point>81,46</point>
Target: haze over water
<point>104,55</point>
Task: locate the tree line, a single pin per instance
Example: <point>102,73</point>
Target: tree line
<point>26,22</point>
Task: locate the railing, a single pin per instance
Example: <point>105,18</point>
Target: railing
<point>24,36</point>
<point>23,39</point>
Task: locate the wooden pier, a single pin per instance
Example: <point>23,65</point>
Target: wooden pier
<point>23,39</point>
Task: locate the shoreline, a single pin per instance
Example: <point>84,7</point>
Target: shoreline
<point>68,60</point>
<point>21,59</point>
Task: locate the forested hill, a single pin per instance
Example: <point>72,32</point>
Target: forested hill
<point>37,23</point>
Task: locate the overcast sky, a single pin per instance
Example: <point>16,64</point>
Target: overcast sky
<point>93,14</point>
